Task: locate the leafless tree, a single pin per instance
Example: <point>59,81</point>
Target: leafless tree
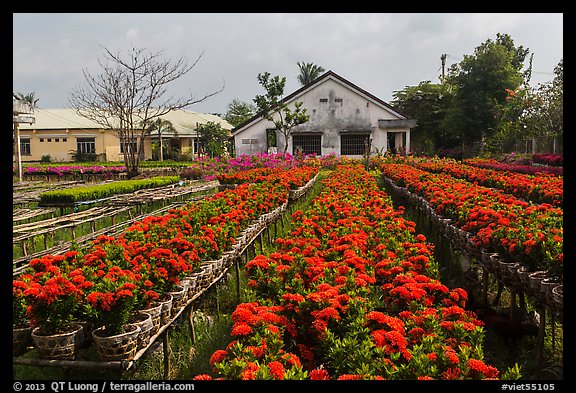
<point>130,93</point>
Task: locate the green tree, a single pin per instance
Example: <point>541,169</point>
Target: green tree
<point>238,112</point>
<point>531,112</point>
<point>546,113</point>
<point>428,103</point>
<point>480,83</point>
<point>161,126</point>
<point>308,72</point>
<point>214,138</point>
<point>274,109</point>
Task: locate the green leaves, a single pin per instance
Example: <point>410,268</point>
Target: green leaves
<point>77,194</point>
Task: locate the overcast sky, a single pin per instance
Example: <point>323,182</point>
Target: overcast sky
<point>379,52</point>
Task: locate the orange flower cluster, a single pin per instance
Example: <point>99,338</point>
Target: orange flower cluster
<point>521,231</point>
<point>351,294</point>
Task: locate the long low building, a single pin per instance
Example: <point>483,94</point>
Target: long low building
<point>62,133</point>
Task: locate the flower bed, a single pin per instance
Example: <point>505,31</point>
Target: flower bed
<point>351,294</point>
<point>103,284</point>
<point>538,188</point>
<point>530,234</point>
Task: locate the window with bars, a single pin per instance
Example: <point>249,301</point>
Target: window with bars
<point>24,146</point>
<point>86,145</point>
<point>353,145</point>
<point>310,144</point>
<point>126,147</point>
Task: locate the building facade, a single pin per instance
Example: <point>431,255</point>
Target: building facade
<point>62,133</point>
<point>345,120</point>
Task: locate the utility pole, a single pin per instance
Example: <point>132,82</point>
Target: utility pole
<point>20,108</point>
<point>443,58</point>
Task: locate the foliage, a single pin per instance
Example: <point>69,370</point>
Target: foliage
<point>428,103</point>
<point>161,127</point>
<point>273,109</point>
<point>88,193</point>
<point>308,72</point>
<point>238,112</point>
<point>19,304</point>
<point>214,137</point>
<point>480,82</point>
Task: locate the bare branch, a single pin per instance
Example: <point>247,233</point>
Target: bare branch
<point>130,92</point>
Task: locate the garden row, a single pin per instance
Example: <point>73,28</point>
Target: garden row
<point>107,285</point>
<point>492,163</point>
<point>89,193</point>
<point>520,231</point>
<point>520,242</point>
<point>79,221</point>
<point>537,188</point>
<point>351,294</point>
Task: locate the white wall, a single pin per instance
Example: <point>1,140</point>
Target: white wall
<point>344,110</point>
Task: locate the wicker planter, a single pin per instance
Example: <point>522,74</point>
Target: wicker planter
<point>546,287</point>
<point>145,323</point>
<point>535,282</point>
<point>524,276</point>
<point>156,314</point>
<point>165,302</point>
<point>179,298</point>
<point>558,295</point>
<point>118,347</point>
<point>21,339</point>
<point>57,346</point>
<point>509,272</point>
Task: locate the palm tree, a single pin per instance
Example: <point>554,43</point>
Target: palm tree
<point>309,72</point>
<point>161,126</point>
<point>28,99</point>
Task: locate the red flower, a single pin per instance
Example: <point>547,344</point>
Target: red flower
<point>241,329</point>
<point>319,374</point>
<point>276,369</point>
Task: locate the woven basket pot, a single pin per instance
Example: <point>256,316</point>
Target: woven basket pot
<point>119,347</point>
<point>57,346</point>
<point>146,325</point>
<point>179,298</point>
<point>156,314</point>
<point>21,338</point>
<point>166,309</point>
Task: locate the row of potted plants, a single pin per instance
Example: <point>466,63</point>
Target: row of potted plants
<point>492,163</point>
<point>105,284</point>
<point>88,193</point>
<point>523,232</point>
<point>538,188</point>
<point>292,179</point>
<point>61,170</point>
<point>351,294</point>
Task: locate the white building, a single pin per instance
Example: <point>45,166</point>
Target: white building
<point>343,119</point>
